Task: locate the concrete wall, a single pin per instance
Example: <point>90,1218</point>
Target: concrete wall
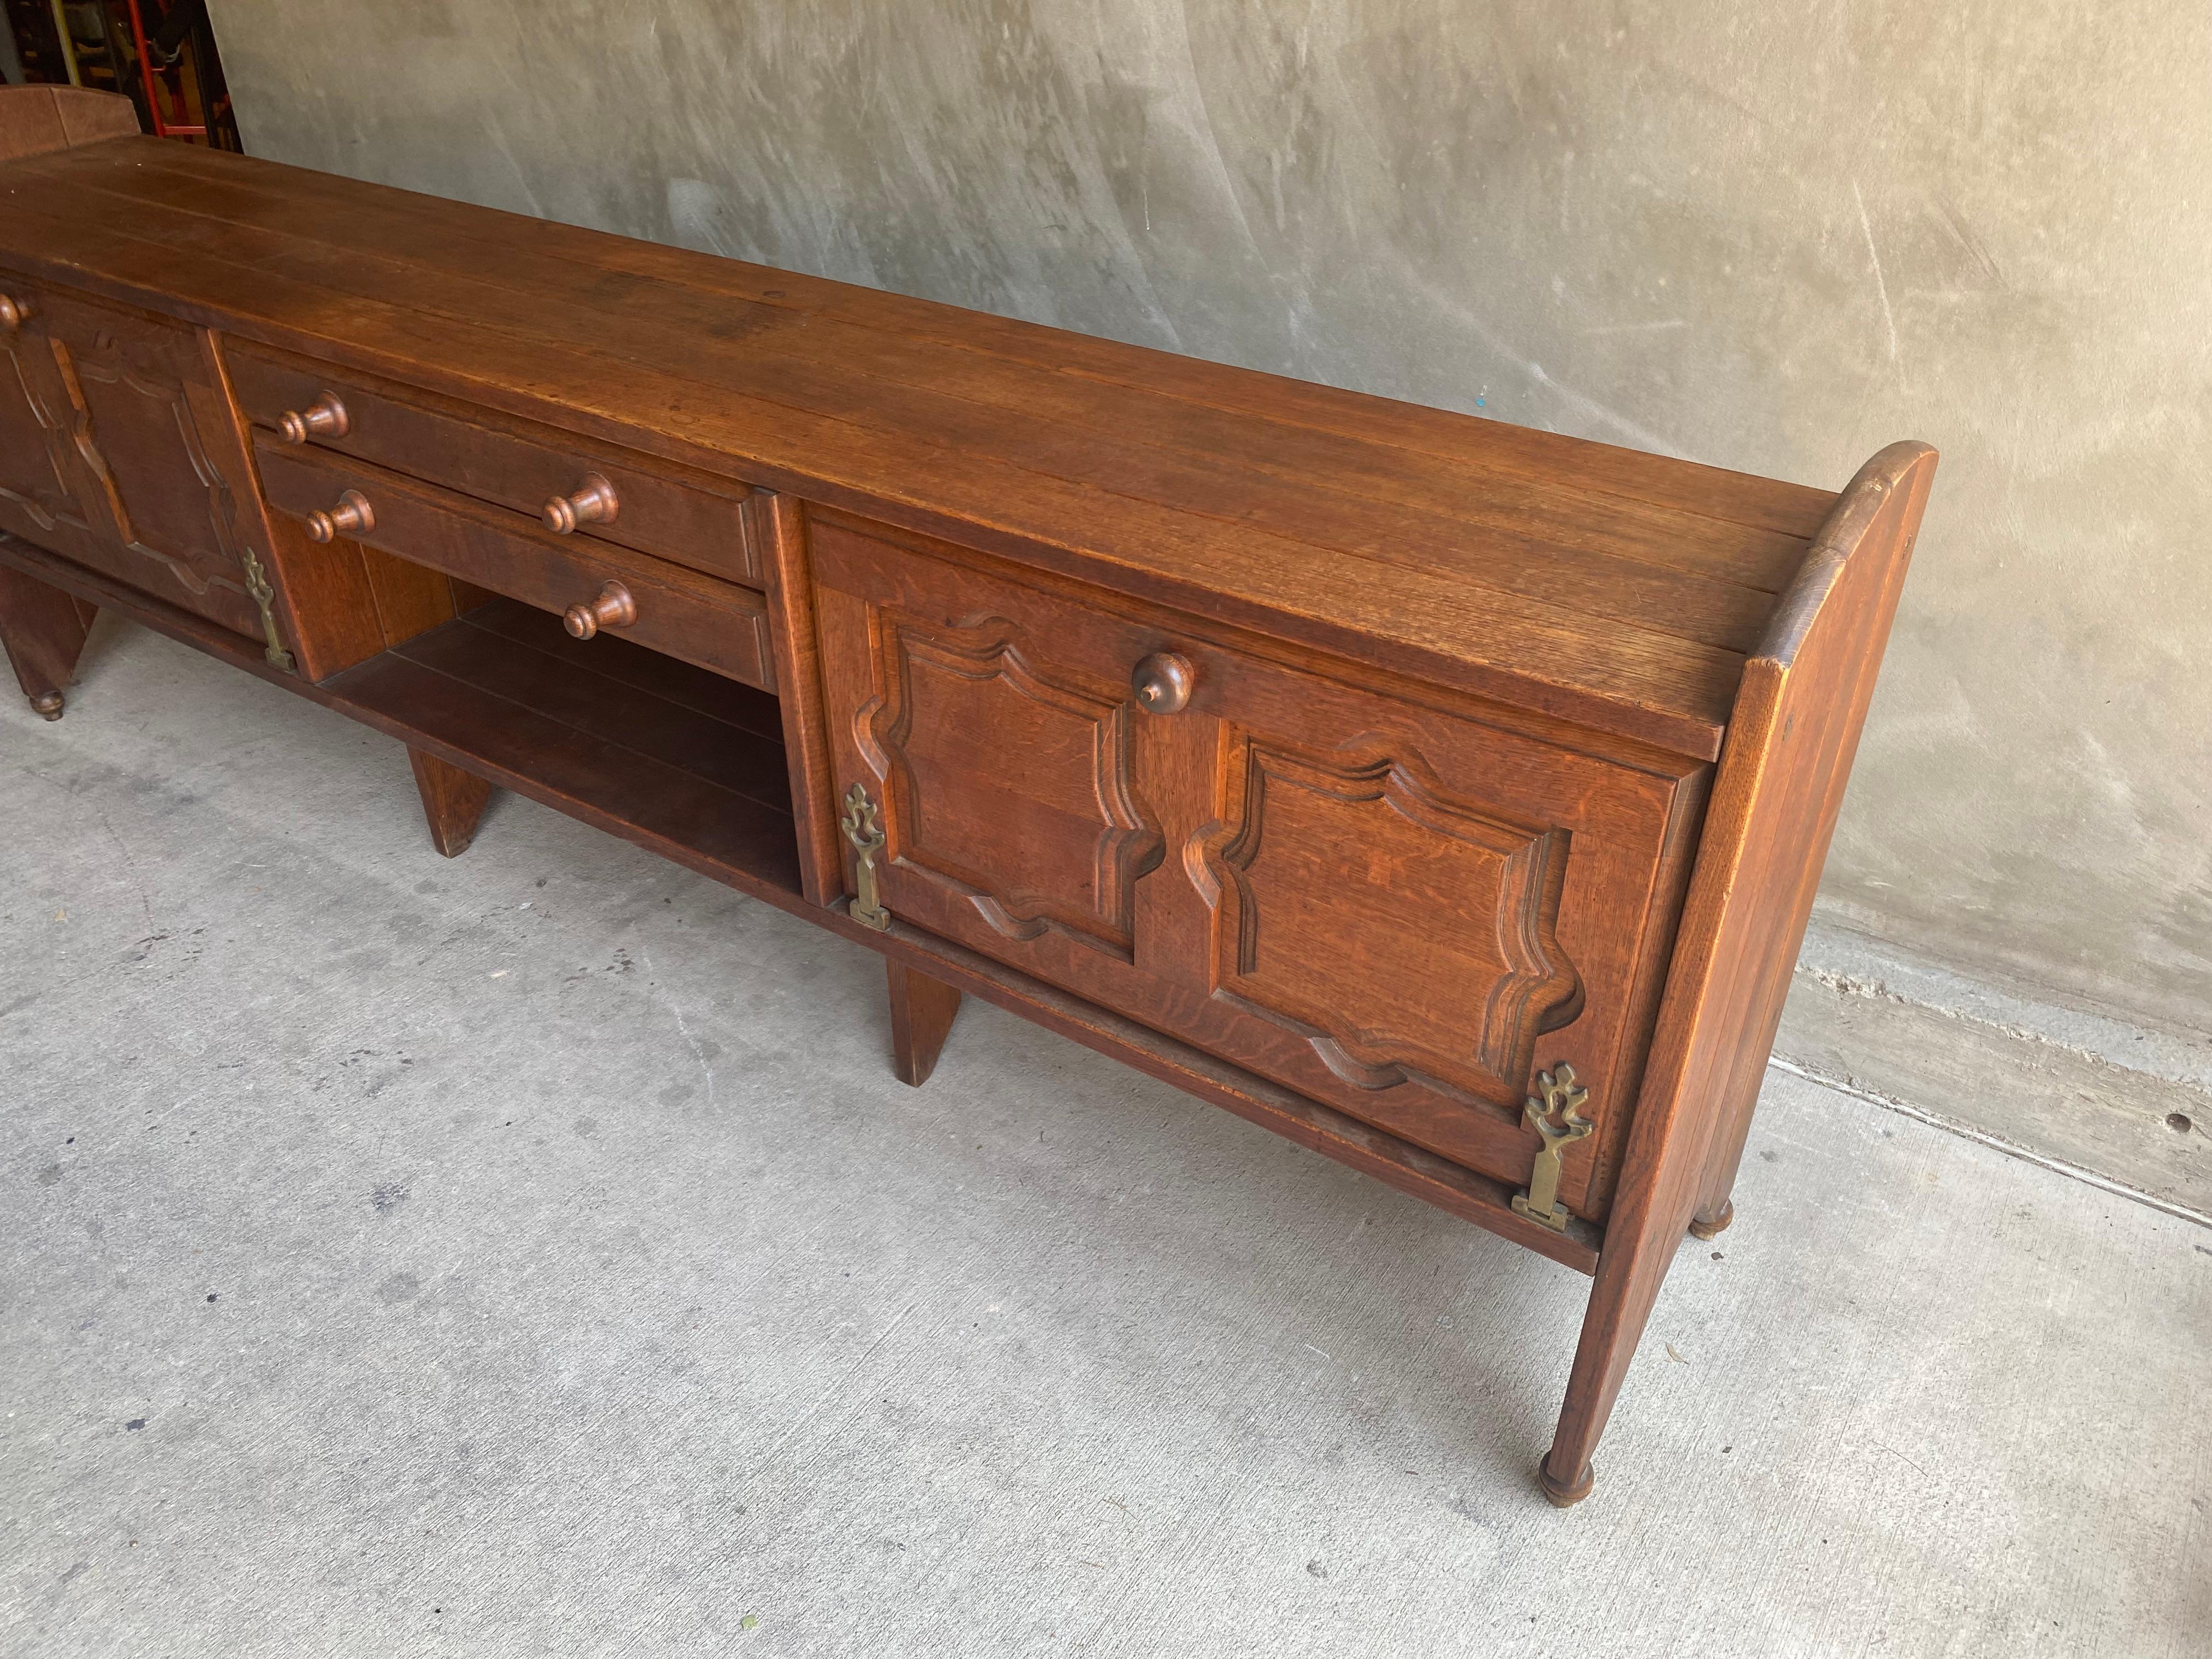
<point>1770,237</point>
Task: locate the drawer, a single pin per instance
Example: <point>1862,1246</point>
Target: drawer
<point>1400,910</point>
<point>715,624</point>
<point>657,507</point>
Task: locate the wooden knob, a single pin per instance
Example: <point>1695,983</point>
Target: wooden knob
<point>1163,681</point>
<point>352,516</point>
<point>325,417</point>
<point>12,313</point>
<point>614,608</point>
<point>593,502</point>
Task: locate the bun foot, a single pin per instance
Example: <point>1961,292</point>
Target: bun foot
<point>1702,1228</point>
<point>48,704</point>
<point>1565,1496</point>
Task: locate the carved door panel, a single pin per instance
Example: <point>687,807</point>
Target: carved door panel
<point>1404,912</point>
<point>122,400</point>
<point>37,495</point>
<point>992,727</point>
<point>1411,914</point>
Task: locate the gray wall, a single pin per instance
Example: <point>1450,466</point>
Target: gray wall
<point>1772,237</point>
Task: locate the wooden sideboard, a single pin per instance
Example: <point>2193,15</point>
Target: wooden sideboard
<point>1445,796</point>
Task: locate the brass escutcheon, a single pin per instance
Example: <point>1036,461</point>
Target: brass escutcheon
<point>257,584</point>
<point>1561,1101</point>
<point>862,828</point>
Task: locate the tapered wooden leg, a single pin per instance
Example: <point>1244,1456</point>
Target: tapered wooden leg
<point>1620,1302</point>
<point>1715,1209</point>
<point>1774,805</point>
<point>1641,1237</point>
<point>44,630</point>
<point>453,800</point>
<point>922,1012</point>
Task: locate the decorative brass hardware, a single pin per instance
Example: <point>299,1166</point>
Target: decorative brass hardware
<point>265,596</point>
<point>866,834</point>
<point>1562,1100</point>
<point>1163,682</point>
<point>14,313</point>
<point>325,417</point>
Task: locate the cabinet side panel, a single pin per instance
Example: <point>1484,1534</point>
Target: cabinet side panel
<point>411,599</point>
<point>321,604</point>
<point>1788,757</point>
<point>776,529</point>
<point>37,119</point>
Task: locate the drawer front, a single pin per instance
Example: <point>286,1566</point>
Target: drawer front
<point>1401,912</point>
<point>659,508</point>
<point>715,624</point>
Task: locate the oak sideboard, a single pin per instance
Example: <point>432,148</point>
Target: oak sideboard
<point>1445,796</point>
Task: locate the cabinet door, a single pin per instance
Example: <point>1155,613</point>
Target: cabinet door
<point>1402,911</point>
<point>1408,912</point>
<point>994,727</point>
<point>120,400</point>
<point>37,498</point>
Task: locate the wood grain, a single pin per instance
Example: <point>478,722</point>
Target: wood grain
<point>696,617</point>
<point>122,451</point>
<point>922,1012</point>
<point>692,518</point>
<point>1548,602</point>
<point>1766,835</point>
<point>1375,905</point>
<point>35,120</point>
<point>43,631</point>
<point>776,526</point>
<point>1504,457</point>
<point>453,801</point>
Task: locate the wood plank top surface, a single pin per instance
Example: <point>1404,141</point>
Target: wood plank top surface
<point>1605,586</point>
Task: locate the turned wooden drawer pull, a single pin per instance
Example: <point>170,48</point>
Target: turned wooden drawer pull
<point>1163,681</point>
<point>352,516</point>
<point>325,417</point>
<point>594,502</point>
<point>614,608</point>
<point>14,313</point>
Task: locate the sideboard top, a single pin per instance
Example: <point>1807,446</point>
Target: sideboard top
<point>1612,588</point>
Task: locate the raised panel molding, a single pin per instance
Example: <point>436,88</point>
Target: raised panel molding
<point>47,501</point>
<point>1407,934</point>
<point>110,363</point>
<point>1005,783</point>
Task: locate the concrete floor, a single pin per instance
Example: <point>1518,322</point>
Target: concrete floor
<point>533,1254</point>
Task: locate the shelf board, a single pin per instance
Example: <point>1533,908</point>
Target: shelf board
<point>680,761</point>
<point>670,757</point>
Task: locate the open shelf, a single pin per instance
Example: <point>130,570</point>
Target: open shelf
<point>672,757</point>
<point>680,761</point>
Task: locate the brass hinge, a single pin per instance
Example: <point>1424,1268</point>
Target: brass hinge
<point>265,596</point>
<point>1561,1100</point>
<point>866,834</point>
